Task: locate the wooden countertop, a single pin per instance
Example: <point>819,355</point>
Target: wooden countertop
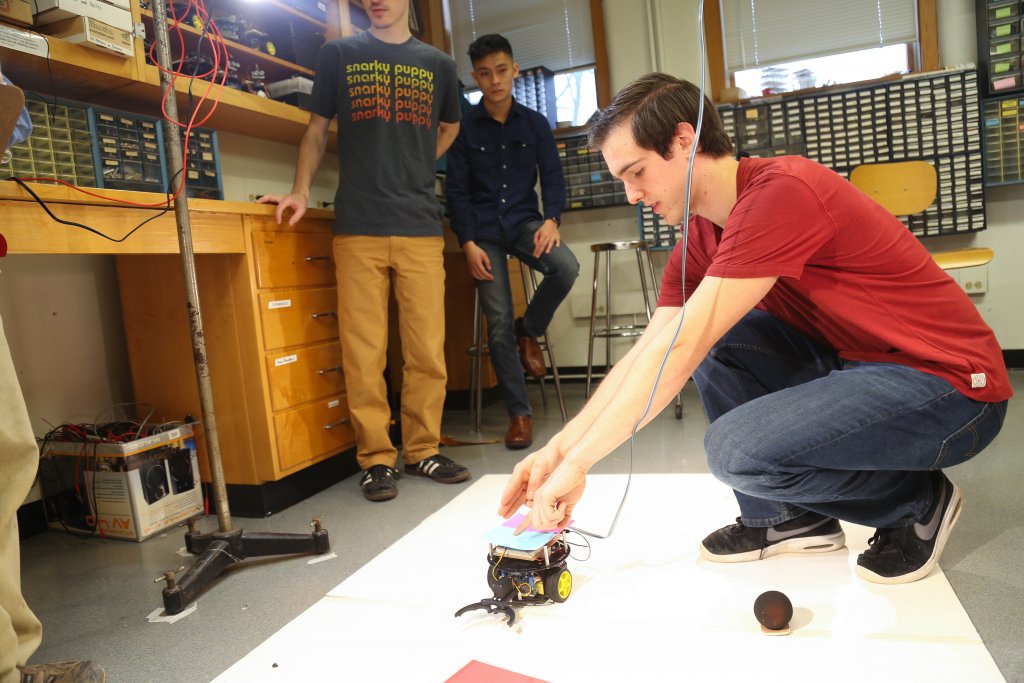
<point>217,226</point>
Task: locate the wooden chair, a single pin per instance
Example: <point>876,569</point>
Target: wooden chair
<point>907,187</point>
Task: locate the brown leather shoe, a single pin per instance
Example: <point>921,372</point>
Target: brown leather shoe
<point>530,353</point>
<point>520,432</point>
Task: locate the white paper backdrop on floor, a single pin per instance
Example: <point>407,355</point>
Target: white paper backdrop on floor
<point>644,606</point>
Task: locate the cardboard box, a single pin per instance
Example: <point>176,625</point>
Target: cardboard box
<point>17,12</point>
<point>50,11</point>
<point>130,491</point>
<point>93,33</point>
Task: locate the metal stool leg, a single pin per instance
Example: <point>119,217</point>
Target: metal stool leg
<point>476,367</point>
<point>607,313</point>
<point>643,280</point>
<point>555,377</point>
<point>593,321</point>
<point>529,287</point>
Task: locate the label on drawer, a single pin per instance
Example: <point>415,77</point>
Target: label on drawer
<point>285,360</point>
<point>280,303</point>
<point>333,404</point>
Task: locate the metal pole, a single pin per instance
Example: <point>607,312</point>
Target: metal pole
<point>172,145</point>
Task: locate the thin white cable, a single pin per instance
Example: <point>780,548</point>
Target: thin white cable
<point>682,314</point>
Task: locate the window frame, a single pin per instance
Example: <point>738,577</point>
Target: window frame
<point>597,28</point>
<point>925,58</point>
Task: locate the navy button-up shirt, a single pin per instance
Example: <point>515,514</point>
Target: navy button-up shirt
<point>492,171</point>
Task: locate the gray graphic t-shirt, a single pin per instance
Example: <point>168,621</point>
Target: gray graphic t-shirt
<point>388,99</point>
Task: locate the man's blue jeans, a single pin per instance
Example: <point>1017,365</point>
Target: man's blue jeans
<point>795,428</point>
<point>559,270</point>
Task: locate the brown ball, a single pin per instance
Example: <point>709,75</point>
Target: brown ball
<point>773,609</point>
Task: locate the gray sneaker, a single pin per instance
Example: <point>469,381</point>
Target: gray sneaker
<point>808,533</point>
<point>63,672</point>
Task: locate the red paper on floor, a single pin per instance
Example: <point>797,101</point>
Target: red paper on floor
<point>478,672</point>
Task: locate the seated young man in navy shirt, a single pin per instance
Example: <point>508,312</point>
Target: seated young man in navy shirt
<point>492,170</point>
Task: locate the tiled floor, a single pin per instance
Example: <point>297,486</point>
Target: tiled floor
<point>94,596</point>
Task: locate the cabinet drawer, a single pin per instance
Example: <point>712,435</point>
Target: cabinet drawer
<point>293,259</point>
<point>298,317</point>
<point>314,430</point>
<point>304,375</point>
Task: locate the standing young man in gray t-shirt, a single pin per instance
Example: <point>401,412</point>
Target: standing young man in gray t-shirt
<point>396,101</point>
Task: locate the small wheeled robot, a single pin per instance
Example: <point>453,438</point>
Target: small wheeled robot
<point>528,577</point>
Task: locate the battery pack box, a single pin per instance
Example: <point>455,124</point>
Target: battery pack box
<point>129,490</point>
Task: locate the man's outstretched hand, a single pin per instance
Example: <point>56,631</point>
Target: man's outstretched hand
<point>545,483</point>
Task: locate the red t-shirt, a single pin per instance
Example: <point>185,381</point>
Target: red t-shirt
<point>850,275</point>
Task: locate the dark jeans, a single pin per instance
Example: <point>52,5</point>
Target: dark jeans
<point>559,270</point>
<point>795,428</point>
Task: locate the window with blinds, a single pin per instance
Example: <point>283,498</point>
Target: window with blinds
<point>782,45</point>
<point>554,34</point>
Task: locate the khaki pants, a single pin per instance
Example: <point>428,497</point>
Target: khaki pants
<point>20,631</point>
<point>366,268</point>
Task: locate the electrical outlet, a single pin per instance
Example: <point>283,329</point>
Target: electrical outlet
<point>974,280</point>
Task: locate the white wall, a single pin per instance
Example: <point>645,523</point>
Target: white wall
<point>255,167</point>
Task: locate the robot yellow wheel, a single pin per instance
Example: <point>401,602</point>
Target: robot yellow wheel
<point>558,585</point>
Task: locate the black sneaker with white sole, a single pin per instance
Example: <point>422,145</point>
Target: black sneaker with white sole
<point>808,533</point>
<point>378,483</point>
<point>439,468</point>
<point>910,553</point>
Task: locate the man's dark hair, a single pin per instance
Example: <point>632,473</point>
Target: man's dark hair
<point>487,45</point>
<point>653,105</point>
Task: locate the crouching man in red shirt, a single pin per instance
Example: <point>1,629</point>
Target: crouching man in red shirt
<point>841,369</point>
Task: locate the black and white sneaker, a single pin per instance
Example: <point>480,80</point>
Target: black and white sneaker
<point>808,533</point>
<point>378,483</point>
<point>439,468</point>
<point>910,553</point>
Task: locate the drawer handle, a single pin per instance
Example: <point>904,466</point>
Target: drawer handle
<point>324,371</point>
<point>317,258</point>
<point>330,313</point>
<point>340,422</point>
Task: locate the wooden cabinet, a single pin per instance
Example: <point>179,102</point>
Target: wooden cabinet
<point>278,390</point>
<point>271,329</point>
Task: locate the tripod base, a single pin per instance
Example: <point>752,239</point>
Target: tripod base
<point>219,550</point>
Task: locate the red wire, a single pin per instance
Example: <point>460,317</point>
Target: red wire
<point>218,48</point>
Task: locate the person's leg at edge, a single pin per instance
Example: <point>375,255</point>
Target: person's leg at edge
<point>363,276</point>
<point>419,292</point>
<point>20,630</point>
